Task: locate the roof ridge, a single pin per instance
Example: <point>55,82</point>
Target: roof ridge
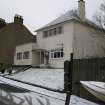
<point>67,16</point>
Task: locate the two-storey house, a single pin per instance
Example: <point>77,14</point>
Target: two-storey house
<point>69,34</point>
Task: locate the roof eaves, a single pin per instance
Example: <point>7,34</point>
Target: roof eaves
<point>54,24</point>
<point>87,22</point>
<point>91,24</point>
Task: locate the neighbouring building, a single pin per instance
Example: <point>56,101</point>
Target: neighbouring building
<point>27,54</point>
<point>11,35</point>
<point>67,34</point>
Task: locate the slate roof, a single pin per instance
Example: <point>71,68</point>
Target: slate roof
<point>68,16</point>
<point>12,35</point>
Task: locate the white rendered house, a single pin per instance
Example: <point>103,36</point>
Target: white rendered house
<point>69,34</point>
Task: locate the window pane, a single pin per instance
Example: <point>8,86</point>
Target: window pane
<point>55,55</point>
<point>62,54</point>
<point>26,55</point>
<point>58,54</point>
<point>45,34</point>
<point>62,50</point>
<point>59,30</point>
<point>55,31</point>
<point>49,33</point>
<point>19,56</point>
<point>52,55</point>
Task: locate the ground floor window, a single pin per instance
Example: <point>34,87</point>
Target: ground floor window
<point>19,55</point>
<point>23,55</point>
<point>26,55</point>
<point>57,53</point>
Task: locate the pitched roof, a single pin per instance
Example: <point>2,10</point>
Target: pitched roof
<point>68,16</point>
<point>11,35</point>
<point>65,17</point>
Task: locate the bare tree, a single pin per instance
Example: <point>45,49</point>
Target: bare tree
<point>74,13</point>
<point>99,17</point>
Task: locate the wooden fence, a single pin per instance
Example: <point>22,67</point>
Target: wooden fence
<point>92,69</point>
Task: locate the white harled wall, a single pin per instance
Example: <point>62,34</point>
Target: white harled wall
<point>89,42</point>
<point>53,42</point>
<point>33,58</point>
<point>81,39</point>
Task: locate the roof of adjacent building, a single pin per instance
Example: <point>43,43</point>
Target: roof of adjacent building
<point>11,35</point>
<point>68,16</point>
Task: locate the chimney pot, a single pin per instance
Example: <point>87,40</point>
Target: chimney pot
<point>18,19</point>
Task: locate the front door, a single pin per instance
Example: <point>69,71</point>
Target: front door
<point>41,57</point>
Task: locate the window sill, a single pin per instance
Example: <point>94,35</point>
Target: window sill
<point>56,58</point>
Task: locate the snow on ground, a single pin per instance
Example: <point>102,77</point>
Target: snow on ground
<point>32,88</point>
<point>51,78</point>
<point>28,99</point>
<point>80,101</point>
<point>38,99</point>
<point>36,96</point>
<point>95,88</point>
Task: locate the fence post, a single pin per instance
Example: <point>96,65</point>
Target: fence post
<point>68,68</point>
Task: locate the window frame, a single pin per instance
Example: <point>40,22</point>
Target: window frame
<point>60,30</point>
<point>56,54</point>
<point>45,34</point>
<point>19,55</point>
<point>26,55</point>
<point>53,31</point>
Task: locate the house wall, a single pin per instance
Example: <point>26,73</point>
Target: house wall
<point>53,42</point>
<point>81,39</point>
<point>11,35</point>
<point>22,48</point>
<point>68,39</point>
<point>35,58</point>
<point>88,42</point>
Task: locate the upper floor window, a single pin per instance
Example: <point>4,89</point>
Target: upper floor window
<point>26,55</point>
<point>55,31</point>
<point>52,32</point>
<point>45,34</point>
<point>60,30</point>
<point>19,55</point>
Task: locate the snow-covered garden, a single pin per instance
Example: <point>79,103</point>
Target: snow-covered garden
<point>31,95</point>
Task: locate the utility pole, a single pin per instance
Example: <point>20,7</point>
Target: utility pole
<point>68,69</point>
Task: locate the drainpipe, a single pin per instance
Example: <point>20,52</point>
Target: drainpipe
<point>40,57</point>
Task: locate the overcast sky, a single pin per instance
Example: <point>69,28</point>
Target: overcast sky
<point>37,13</point>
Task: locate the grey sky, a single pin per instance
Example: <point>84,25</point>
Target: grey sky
<point>37,13</point>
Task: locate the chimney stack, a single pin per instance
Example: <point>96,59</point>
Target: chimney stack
<point>2,23</point>
<point>81,9</point>
<point>18,19</point>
